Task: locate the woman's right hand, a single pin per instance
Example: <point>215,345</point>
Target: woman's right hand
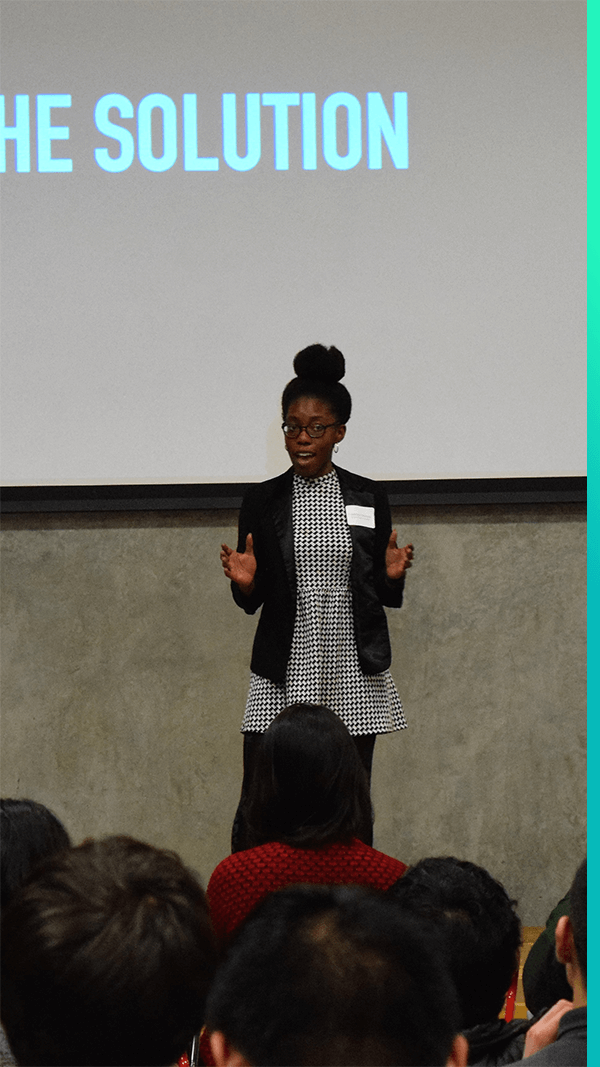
<point>240,567</point>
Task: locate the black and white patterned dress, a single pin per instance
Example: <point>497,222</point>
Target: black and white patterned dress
<point>323,667</point>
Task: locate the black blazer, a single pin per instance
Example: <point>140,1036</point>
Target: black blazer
<point>266,513</point>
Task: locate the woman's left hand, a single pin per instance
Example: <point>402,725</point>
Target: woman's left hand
<point>397,560</point>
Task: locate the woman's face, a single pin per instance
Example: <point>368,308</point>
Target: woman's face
<point>311,456</point>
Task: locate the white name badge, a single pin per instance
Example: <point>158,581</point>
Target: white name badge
<point>359,516</point>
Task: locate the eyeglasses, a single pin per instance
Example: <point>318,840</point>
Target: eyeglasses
<point>316,430</point>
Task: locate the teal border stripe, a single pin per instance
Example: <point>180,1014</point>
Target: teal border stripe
<point>593,513</point>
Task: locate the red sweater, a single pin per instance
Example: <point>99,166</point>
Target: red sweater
<point>240,881</point>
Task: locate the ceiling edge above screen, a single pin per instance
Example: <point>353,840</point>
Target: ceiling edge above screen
<point>441,493</point>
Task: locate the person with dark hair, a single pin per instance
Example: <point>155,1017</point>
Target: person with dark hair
<point>29,832</point>
<point>544,976</point>
<point>479,931</point>
<point>559,1039</point>
<point>308,799</point>
<point>316,550</point>
<point>107,956</point>
<point>332,975</point>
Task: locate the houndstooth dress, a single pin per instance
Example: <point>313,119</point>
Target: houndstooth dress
<point>323,667</point>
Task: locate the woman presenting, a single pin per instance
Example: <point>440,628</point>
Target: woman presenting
<point>317,551</point>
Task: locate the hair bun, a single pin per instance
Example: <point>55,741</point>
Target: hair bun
<point>320,364</point>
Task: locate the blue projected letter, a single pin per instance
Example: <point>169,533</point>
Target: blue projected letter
<point>379,125</point>
<point>330,151</point>
<point>280,103</point>
<point>114,164</point>
<point>230,154</point>
<point>191,159</point>
<point>309,131</point>
<point>19,133</point>
<point>46,133</point>
<point>169,129</point>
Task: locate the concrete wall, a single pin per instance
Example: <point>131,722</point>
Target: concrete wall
<point>125,669</point>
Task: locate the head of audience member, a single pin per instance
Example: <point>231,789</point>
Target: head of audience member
<point>333,975</point>
<point>476,924</point>
<point>571,938</point>
<point>310,787</point>
<point>107,955</point>
<point>29,833</point>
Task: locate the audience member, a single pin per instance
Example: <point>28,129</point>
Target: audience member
<point>480,933</point>
<point>544,976</point>
<point>333,976</point>
<point>559,1039</point>
<point>29,832</point>
<point>107,957</point>
<point>306,803</point>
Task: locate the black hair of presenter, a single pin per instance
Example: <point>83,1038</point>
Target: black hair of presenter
<point>317,554</point>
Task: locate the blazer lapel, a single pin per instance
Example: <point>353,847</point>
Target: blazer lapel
<point>362,536</point>
<point>282,522</point>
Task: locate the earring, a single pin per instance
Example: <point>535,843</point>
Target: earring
<point>336,448</point>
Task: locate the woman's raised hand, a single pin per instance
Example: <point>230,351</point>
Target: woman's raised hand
<point>240,567</point>
<point>397,560</point>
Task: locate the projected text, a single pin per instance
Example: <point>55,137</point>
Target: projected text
<point>159,133</point>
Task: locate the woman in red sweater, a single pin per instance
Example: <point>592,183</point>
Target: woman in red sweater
<point>308,800</point>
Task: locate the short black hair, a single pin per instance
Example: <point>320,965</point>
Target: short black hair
<point>331,976</point>
<point>309,787</point>
<point>477,924</point>
<point>318,373</point>
<point>29,832</point>
<point>107,955</point>
<point>578,916</point>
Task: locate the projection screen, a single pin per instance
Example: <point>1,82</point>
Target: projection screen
<point>194,190</point>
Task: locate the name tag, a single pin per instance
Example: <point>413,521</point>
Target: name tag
<point>359,516</point>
